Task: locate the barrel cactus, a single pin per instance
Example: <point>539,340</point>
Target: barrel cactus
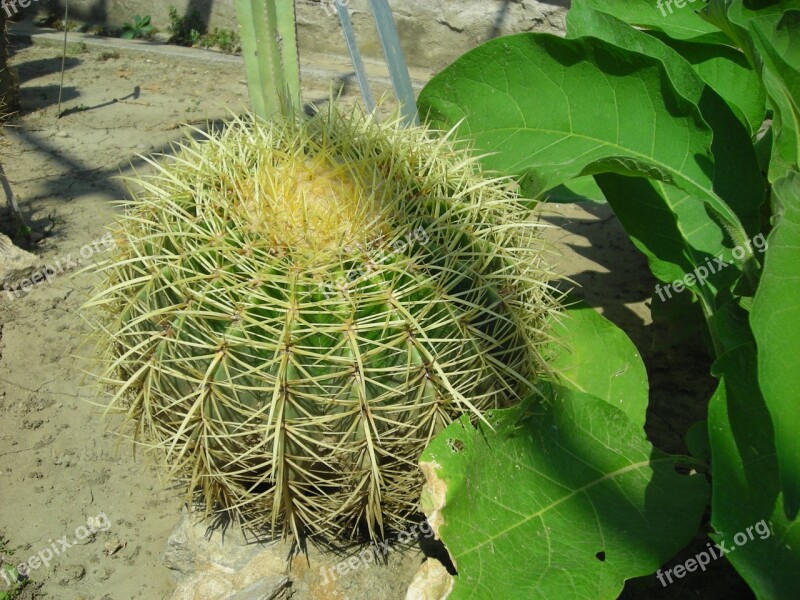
<point>295,307</point>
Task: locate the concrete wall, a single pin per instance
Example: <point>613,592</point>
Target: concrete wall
<point>433,32</point>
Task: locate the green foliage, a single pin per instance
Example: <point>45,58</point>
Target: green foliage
<point>678,24</point>
<point>190,30</point>
<point>662,112</point>
<point>9,572</point>
<point>776,325</point>
<point>140,28</point>
<point>186,30</point>
<point>225,39</point>
<point>296,307</point>
<point>620,378</point>
<point>746,483</point>
<point>574,482</point>
<point>99,30</point>
<point>70,25</point>
<point>108,55</point>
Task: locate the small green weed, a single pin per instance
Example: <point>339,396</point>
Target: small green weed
<point>194,106</point>
<point>186,30</point>
<point>59,25</point>
<point>226,40</point>
<point>74,48</point>
<point>99,30</point>
<point>140,28</point>
<point>9,573</point>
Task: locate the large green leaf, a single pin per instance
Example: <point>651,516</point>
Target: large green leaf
<point>534,119</point>
<point>564,497</point>
<point>737,178</point>
<point>676,242</point>
<point>734,18</point>
<point>675,233</point>
<point>561,500</point>
<point>681,23</point>
<point>724,68</point>
<point>746,489</point>
<point>775,318</point>
<point>727,71</point>
<point>768,32</point>
<point>619,377</point>
<point>782,79</point>
<point>537,120</point>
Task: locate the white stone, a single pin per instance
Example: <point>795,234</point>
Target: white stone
<point>432,582</point>
<point>15,264</point>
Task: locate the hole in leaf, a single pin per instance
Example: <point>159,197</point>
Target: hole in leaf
<point>455,445</point>
<point>601,556</point>
<point>433,548</point>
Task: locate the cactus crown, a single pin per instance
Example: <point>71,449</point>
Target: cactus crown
<point>295,308</point>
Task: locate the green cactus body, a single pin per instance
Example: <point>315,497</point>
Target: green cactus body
<point>295,308</point>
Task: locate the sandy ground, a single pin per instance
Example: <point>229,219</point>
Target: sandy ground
<point>60,469</point>
<point>59,466</point>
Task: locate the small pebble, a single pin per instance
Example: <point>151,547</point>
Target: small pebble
<point>112,547</point>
